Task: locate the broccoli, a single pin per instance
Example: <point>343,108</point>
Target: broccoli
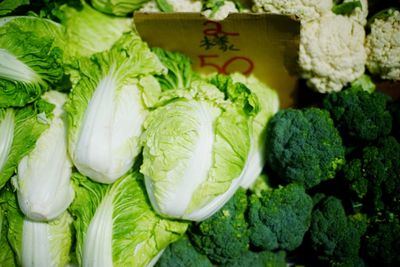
<point>225,235</point>
<point>349,262</point>
<point>382,242</point>
<point>374,177</point>
<point>182,254</point>
<point>395,112</point>
<point>358,114</point>
<point>334,235</point>
<point>259,259</point>
<point>279,218</point>
<point>303,146</point>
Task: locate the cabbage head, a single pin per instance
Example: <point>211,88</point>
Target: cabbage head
<point>196,142</point>
<point>43,176</point>
<point>19,131</point>
<point>36,244</point>
<point>31,59</point>
<point>116,225</point>
<point>106,110</point>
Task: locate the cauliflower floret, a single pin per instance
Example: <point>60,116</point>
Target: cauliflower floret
<point>176,5</point>
<point>150,6</point>
<point>383,46</point>
<point>332,52</point>
<point>304,9</point>
<point>360,13</point>
<point>185,5</point>
<point>222,12</point>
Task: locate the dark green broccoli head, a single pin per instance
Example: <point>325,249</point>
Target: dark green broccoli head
<point>259,259</point>
<point>303,146</point>
<point>280,218</point>
<point>225,235</point>
<point>182,254</point>
<point>333,235</point>
<point>382,242</point>
<point>375,175</point>
<point>359,114</point>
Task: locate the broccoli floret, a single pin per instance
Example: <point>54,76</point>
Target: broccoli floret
<point>395,111</point>
<point>280,217</point>
<point>358,114</point>
<point>349,262</point>
<point>382,242</point>
<point>375,176</point>
<point>303,146</point>
<point>334,235</point>
<point>259,259</point>
<point>182,254</point>
<point>225,235</point>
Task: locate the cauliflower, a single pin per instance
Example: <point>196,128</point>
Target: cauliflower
<point>332,52</point>
<point>304,9</point>
<point>383,46</point>
<point>172,6</point>
<point>222,12</point>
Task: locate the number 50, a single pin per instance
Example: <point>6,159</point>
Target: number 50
<point>206,61</point>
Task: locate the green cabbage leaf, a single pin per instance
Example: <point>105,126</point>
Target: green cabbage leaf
<point>116,225</point>
<point>106,110</point>
<point>31,59</point>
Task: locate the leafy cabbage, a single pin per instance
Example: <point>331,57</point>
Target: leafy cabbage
<point>37,244</point>
<point>196,143</point>
<point>89,31</point>
<point>43,178</point>
<point>116,225</point>
<point>19,131</point>
<point>118,7</point>
<point>268,105</point>
<point>30,59</point>
<point>106,111</point>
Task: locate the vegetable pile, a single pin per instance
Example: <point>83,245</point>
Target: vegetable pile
<point>116,154</point>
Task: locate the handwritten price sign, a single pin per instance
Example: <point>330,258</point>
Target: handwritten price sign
<point>215,36</point>
<point>254,44</point>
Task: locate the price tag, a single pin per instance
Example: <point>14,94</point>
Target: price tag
<point>261,44</point>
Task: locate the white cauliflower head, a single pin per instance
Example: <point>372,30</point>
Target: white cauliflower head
<point>222,12</point>
<point>304,9</point>
<point>383,46</point>
<point>332,52</point>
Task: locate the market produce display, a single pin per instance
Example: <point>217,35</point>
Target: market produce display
<point>114,153</point>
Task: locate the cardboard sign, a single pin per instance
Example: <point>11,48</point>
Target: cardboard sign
<point>261,44</point>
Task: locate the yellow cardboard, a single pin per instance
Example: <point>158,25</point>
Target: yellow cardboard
<point>265,45</point>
